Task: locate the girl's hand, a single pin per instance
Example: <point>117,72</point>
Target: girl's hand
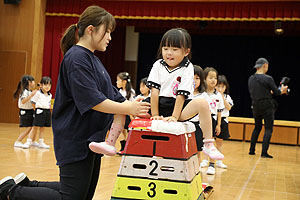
<point>170,119</point>
<point>218,130</point>
<point>33,92</point>
<point>156,117</point>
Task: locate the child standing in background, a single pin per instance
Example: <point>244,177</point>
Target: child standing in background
<point>216,107</point>
<point>124,83</point>
<point>171,83</point>
<point>145,91</point>
<point>223,89</point>
<point>24,92</point>
<point>42,115</point>
<point>199,92</point>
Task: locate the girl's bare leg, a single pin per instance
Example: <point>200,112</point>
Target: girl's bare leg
<point>201,107</point>
<point>24,134</point>
<point>31,135</point>
<point>42,144</point>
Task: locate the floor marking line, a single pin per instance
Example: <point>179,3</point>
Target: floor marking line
<point>249,177</point>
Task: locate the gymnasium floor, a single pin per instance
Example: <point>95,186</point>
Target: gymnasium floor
<point>247,177</point>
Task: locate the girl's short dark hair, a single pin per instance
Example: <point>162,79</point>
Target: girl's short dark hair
<point>46,80</point>
<point>199,72</point>
<point>223,80</point>
<point>144,80</point>
<point>176,37</point>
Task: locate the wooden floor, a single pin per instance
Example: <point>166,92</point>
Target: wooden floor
<point>247,177</point>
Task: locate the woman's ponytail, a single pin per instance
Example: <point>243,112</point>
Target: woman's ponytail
<point>69,39</point>
<point>92,15</point>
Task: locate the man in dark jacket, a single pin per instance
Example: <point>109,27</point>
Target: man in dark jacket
<point>262,87</point>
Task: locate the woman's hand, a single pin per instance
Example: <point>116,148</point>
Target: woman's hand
<point>139,108</point>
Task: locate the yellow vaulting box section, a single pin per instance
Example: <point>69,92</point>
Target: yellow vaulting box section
<point>140,188</point>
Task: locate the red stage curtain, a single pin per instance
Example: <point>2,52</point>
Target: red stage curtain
<point>61,14</point>
<point>252,11</point>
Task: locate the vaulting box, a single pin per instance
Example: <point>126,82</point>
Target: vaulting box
<point>143,188</point>
<point>162,139</point>
<point>159,168</point>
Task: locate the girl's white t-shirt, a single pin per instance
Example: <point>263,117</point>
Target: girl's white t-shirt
<point>225,112</point>
<point>42,100</point>
<point>26,105</point>
<point>124,93</point>
<point>171,83</point>
<point>216,103</point>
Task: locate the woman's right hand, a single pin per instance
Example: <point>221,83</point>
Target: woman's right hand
<point>139,108</point>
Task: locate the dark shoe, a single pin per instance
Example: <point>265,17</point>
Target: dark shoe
<point>265,155</point>
<point>123,143</point>
<point>5,185</point>
<point>22,180</point>
<point>251,153</point>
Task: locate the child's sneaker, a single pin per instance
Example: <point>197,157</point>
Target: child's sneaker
<point>18,144</point>
<point>211,170</point>
<point>103,148</point>
<point>204,163</point>
<point>43,145</point>
<point>5,185</point>
<point>35,144</point>
<point>210,150</point>
<point>27,144</point>
<point>220,164</point>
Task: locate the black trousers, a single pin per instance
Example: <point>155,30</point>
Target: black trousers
<point>78,181</point>
<point>262,110</point>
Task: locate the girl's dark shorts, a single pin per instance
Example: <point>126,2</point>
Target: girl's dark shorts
<point>42,117</point>
<point>166,106</point>
<point>224,129</point>
<point>26,117</point>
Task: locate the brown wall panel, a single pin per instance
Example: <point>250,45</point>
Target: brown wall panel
<point>12,66</point>
<point>236,131</point>
<point>21,47</point>
<point>282,135</point>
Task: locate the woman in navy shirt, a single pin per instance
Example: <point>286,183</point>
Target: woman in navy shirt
<point>85,102</point>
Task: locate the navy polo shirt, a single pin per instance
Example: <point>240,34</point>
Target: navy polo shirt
<point>83,83</point>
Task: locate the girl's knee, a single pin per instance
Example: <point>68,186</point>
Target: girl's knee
<point>202,104</point>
